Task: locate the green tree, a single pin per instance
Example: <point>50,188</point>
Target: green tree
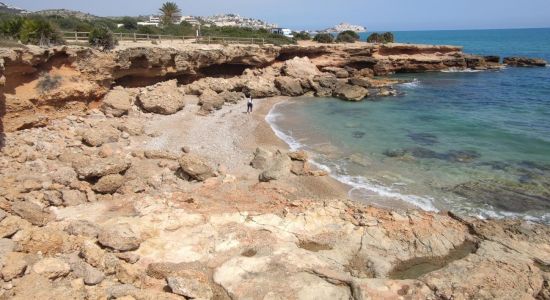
<point>129,23</point>
<point>102,38</point>
<point>39,31</point>
<point>388,37</point>
<point>325,38</point>
<point>10,27</point>
<point>302,36</point>
<point>168,11</point>
<point>347,36</point>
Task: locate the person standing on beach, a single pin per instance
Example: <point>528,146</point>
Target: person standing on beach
<point>249,105</point>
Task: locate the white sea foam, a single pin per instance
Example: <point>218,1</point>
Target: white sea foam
<point>460,70</point>
<point>411,85</point>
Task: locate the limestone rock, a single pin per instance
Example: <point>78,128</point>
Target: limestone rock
<point>189,287</point>
<point>64,176</point>
<point>232,97</point>
<point>350,92</point>
<point>160,154</point>
<point>117,102</point>
<point>91,168</point>
<point>210,101</point>
<point>338,72</point>
<point>2,214</point>
<point>92,254</point>
<point>73,197</point>
<point>133,127</point>
<point>83,228</point>
<point>289,86</point>
<point>262,159</point>
<point>99,135</point>
<point>524,62</point>
<point>195,167</point>
<point>299,155</point>
<point>90,275</point>
<point>31,212</point>
<point>300,67</point>
<point>279,168</point>
<point>260,87</point>
<point>14,266</point>
<point>121,237</point>
<point>51,268</point>
<point>163,98</point>
<point>108,184</point>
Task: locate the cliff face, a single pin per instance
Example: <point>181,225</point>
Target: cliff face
<point>35,82</point>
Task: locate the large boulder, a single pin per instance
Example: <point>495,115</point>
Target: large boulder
<point>279,168</point>
<point>210,101</point>
<point>31,212</point>
<point>351,92</point>
<point>163,98</point>
<point>100,134</point>
<point>338,72</point>
<point>189,287</point>
<point>121,237</point>
<point>289,86</point>
<point>108,184</point>
<point>73,197</point>
<point>218,85</point>
<point>232,97</point>
<point>324,84</point>
<point>194,167</point>
<point>260,87</point>
<point>117,102</point>
<point>99,167</point>
<point>52,268</point>
<point>300,67</point>
<point>262,159</point>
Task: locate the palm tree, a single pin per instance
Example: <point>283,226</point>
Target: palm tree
<point>168,11</point>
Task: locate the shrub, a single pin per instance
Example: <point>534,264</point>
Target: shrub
<point>302,36</point>
<point>102,38</point>
<point>347,36</point>
<point>39,32</point>
<point>386,37</point>
<point>10,27</point>
<point>47,82</point>
<point>129,23</point>
<point>325,38</point>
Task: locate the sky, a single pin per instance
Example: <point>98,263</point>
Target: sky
<point>311,14</point>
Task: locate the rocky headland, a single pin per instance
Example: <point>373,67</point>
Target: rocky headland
<point>136,174</point>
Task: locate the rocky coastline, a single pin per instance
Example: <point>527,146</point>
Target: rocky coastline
<point>136,174</point>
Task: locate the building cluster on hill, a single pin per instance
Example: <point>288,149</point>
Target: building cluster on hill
<point>345,27</point>
<point>236,21</point>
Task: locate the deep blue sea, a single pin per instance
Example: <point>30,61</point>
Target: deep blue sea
<point>476,143</point>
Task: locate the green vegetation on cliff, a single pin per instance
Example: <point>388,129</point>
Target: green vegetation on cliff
<point>386,37</point>
<point>325,38</point>
<point>347,36</point>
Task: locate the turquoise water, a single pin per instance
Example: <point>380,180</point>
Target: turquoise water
<point>472,142</point>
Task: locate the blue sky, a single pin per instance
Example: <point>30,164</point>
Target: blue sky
<point>311,14</point>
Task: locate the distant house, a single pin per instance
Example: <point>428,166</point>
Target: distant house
<point>153,21</point>
<point>282,31</point>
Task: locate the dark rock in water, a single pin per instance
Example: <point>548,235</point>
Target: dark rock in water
<point>461,155</point>
<point>358,134</point>
<point>420,152</point>
<point>506,195</point>
<point>428,118</point>
<point>534,165</point>
<point>496,165</point>
<point>395,152</point>
<point>425,139</point>
<point>524,62</point>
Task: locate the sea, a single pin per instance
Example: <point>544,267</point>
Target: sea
<point>473,142</point>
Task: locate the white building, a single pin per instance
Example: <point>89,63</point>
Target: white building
<point>282,31</point>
